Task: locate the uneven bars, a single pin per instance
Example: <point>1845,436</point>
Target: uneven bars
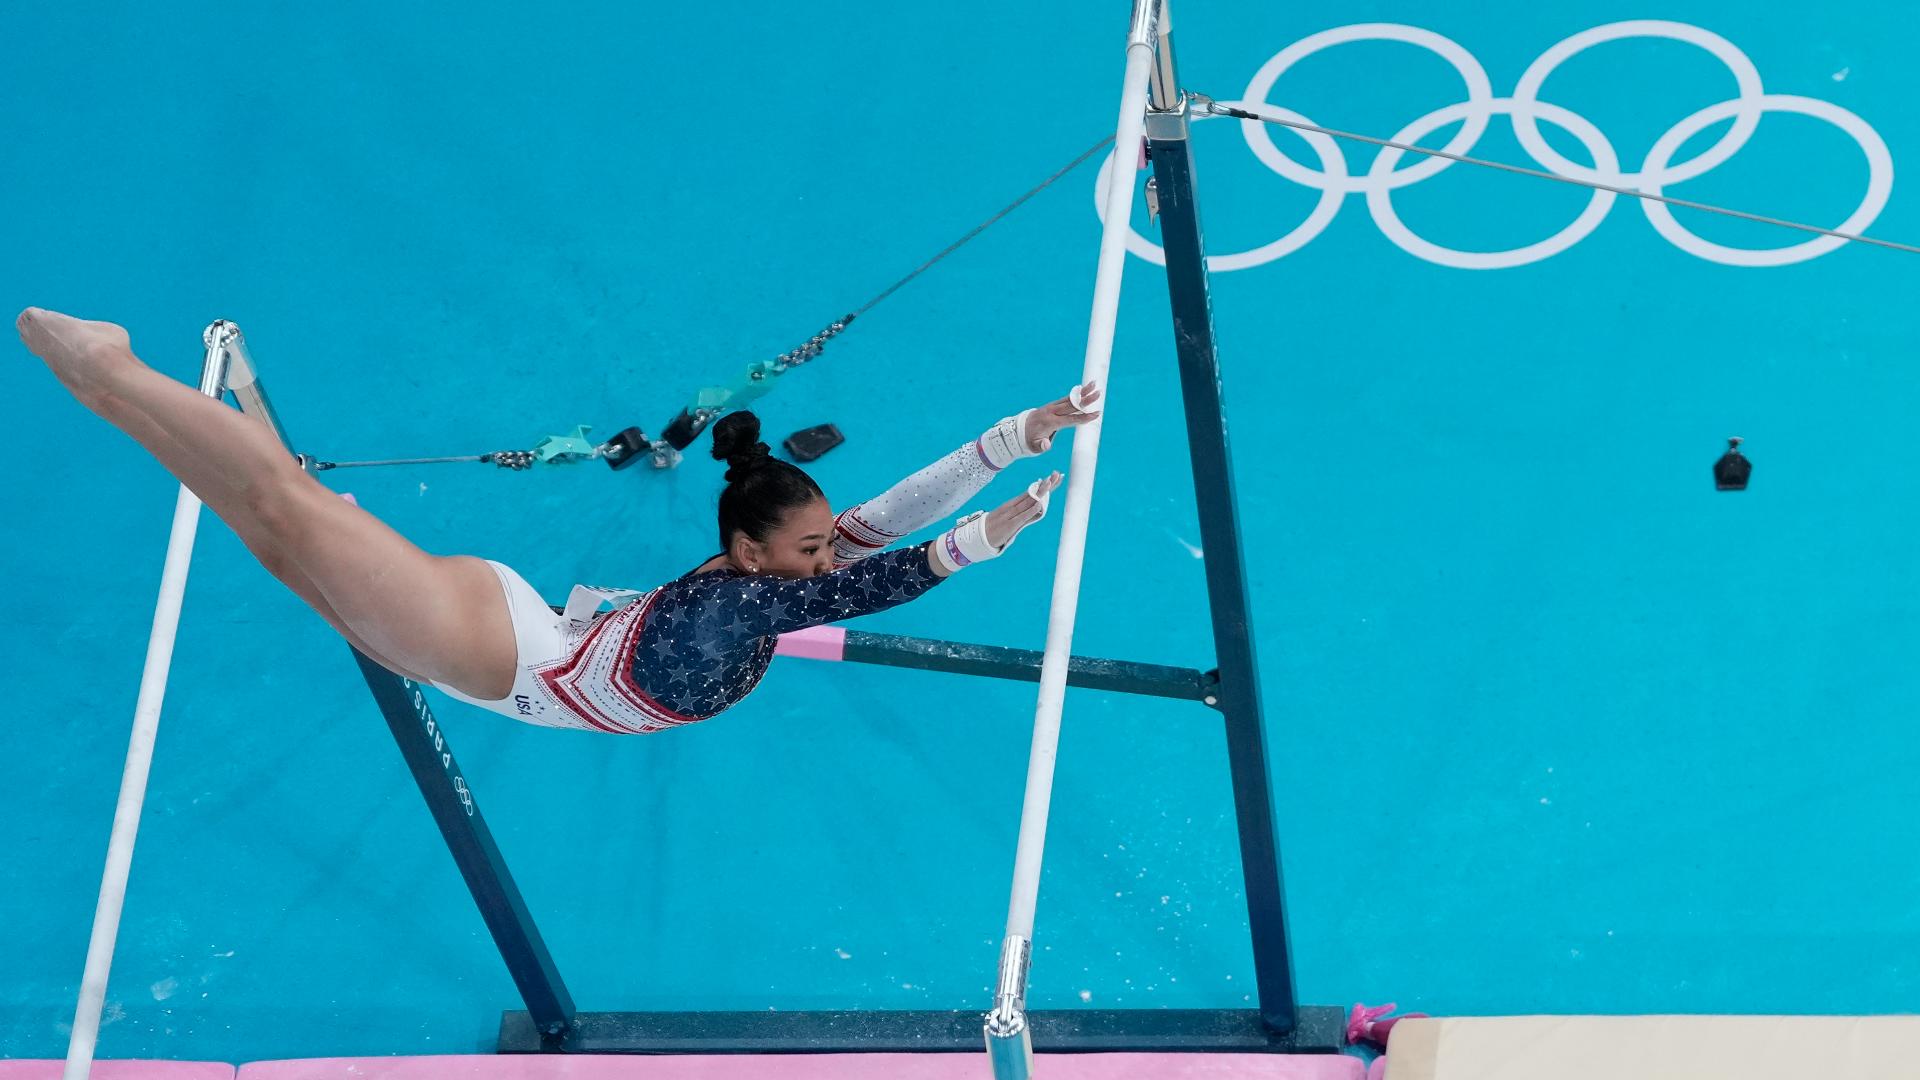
<point>133,778</point>
<point>1009,1041</point>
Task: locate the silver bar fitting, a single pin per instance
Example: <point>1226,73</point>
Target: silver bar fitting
<point>238,376</point>
<point>1144,14</point>
<point>1009,1040</point>
<point>1163,83</point>
<point>213,372</point>
<point>1167,109</point>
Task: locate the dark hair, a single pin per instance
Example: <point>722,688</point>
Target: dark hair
<point>761,489</point>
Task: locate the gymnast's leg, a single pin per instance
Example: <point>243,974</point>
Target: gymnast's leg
<point>423,616</point>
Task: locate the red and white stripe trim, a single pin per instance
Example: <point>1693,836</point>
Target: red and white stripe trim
<point>861,534</point>
<point>595,682</point>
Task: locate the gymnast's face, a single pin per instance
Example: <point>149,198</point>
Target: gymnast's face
<point>801,547</point>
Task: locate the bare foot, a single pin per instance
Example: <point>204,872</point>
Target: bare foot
<point>78,351</point>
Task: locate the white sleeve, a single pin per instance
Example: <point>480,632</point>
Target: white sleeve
<point>933,494</point>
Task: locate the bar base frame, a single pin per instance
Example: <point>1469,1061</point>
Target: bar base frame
<point>1320,1029</point>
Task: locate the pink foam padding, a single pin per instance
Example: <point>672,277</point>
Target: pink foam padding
<point>811,1067</point>
<point>121,1070</point>
<point>1378,1070</point>
<point>814,643</point>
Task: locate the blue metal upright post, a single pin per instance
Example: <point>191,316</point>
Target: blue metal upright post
<point>1238,694</point>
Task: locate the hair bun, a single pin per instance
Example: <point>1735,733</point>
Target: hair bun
<point>736,441</point>
<point>747,461</point>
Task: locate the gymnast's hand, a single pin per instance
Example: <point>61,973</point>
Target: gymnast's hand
<point>982,535</point>
<point>1079,407</point>
<point>1020,511</point>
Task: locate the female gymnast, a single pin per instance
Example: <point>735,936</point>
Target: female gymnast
<point>680,653</point>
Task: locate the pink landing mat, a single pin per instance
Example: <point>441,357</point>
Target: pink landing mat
<point>121,1070</point>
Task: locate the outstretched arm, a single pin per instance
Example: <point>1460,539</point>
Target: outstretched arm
<point>942,488</point>
<point>737,608</point>
<point>932,494</point>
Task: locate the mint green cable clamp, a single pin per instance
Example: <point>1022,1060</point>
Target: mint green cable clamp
<point>750,387</point>
<point>566,449</point>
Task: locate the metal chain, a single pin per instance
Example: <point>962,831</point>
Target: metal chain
<point>814,346</point>
<point>785,362</point>
<point>516,460</point>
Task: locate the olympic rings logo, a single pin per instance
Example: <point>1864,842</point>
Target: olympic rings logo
<point>1656,172</point>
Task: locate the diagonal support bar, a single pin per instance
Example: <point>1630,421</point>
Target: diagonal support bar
<point>430,759</point>
<point>1171,152</point>
<point>424,746</point>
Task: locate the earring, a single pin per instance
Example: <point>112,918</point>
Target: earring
<point>751,569</point>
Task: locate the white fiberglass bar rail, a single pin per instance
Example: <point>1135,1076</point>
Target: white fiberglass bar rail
<point>1009,1042</point>
<point>133,778</point>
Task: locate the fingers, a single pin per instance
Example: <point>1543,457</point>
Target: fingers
<point>1013,516</point>
<point>1077,408</point>
<point>1070,411</point>
<point>1067,412</point>
<point>1041,487</point>
<point>1086,408</point>
<point>1029,501</point>
<point>1035,505</point>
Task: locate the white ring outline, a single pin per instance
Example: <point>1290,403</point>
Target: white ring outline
<point>1302,234</point>
<point>1879,183</point>
<point>1334,182</point>
<point>1260,139</point>
<point>1380,200</point>
<point>1746,78</point>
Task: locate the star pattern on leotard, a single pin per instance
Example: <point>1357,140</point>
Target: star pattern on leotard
<point>709,637</point>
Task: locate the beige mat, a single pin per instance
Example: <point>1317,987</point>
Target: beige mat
<point>1656,1048</point>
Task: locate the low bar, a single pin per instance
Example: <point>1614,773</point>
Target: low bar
<point>1023,665</point>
